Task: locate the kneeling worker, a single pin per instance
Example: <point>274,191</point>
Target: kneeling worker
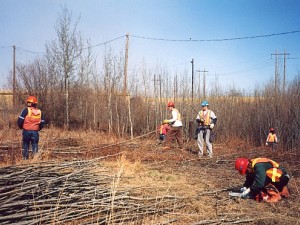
<point>265,179</point>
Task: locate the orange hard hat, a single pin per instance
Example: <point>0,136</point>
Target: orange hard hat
<point>31,99</point>
<point>241,165</point>
<point>171,104</point>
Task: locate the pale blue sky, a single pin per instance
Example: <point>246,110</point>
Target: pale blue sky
<point>243,62</point>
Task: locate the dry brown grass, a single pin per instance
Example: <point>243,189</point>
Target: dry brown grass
<point>150,172</point>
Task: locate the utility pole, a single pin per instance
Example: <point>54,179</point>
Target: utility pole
<point>14,76</point>
<point>126,65</point>
<point>192,80</point>
<point>276,54</point>
<point>175,87</point>
<point>154,81</point>
<point>199,83</point>
<point>284,71</point>
<point>204,85</point>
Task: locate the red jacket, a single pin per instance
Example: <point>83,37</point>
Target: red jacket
<point>164,128</point>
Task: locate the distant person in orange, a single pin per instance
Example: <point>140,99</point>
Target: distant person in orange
<point>163,130</point>
<point>31,121</point>
<point>272,139</point>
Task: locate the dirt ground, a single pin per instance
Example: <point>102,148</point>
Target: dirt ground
<point>198,188</point>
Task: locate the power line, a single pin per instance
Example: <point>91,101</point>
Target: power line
<point>104,43</point>
<point>215,40</point>
<point>6,46</point>
<point>175,40</point>
<point>25,50</point>
<point>93,46</point>
<point>258,66</point>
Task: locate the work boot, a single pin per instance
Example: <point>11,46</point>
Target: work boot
<point>200,155</point>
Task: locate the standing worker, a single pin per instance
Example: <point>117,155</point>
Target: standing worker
<point>206,120</point>
<point>265,179</point>
<point>272,139</point>
<point>31,121</point>
<point>163,130</point>
<point>176,127</point>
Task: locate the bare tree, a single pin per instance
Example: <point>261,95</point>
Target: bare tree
<point>66,52</point>
<point>32,79</point>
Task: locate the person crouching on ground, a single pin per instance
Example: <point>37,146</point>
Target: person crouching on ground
<point>265,179</point>
<point>163,130</point>
<point>31,121</point>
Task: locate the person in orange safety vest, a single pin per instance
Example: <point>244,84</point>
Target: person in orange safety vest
<point>31,120</point>
<point>265,179</point>
<point>272,139</point>
<point>206,120</point>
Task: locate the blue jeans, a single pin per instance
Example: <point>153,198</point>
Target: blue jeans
<point>30,136</point>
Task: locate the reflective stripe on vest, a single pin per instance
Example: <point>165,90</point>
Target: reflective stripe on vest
<point>206,117</point>
<point>33,119</point>
<point>274,173</point>
<point>271,137</point>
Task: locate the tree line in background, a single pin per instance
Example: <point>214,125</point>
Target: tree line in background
<point>74,95</point>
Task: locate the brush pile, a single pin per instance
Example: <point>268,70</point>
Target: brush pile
<point>79,192</point>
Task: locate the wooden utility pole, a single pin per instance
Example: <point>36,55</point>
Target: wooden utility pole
<point>284,71</point>
<point>126,65</point>
<point>199,83</point>
<point>154,82</point>
<point>192,80</point>
<point>14,76</point>
<point>157,110</point>
<point>276,54</point>
<point>175,87</point>
<point>204,85</point>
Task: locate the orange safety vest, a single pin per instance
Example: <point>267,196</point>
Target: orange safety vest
<point>274,173</point>
<point>271,138</point>
<point>206,117</point>
<point>33,119</point>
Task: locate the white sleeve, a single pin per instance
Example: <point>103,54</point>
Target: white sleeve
<point>212,115</point>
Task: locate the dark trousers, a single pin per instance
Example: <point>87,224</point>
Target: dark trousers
<point>282,182</point>
<point>175,133</point>
<point>272,145</point>
<point>30,137</point>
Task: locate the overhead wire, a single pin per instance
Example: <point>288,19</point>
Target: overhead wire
<point>258,66</point>
<point>176,40</point>
<point>179,40</point>
<point>215,40</point>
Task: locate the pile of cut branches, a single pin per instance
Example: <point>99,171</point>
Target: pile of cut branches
<point>79,192</point>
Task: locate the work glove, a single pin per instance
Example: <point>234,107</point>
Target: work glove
<point>243,189</point>
<point>245,193</point>
<point>267,143</point>
<point>211,126</point>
